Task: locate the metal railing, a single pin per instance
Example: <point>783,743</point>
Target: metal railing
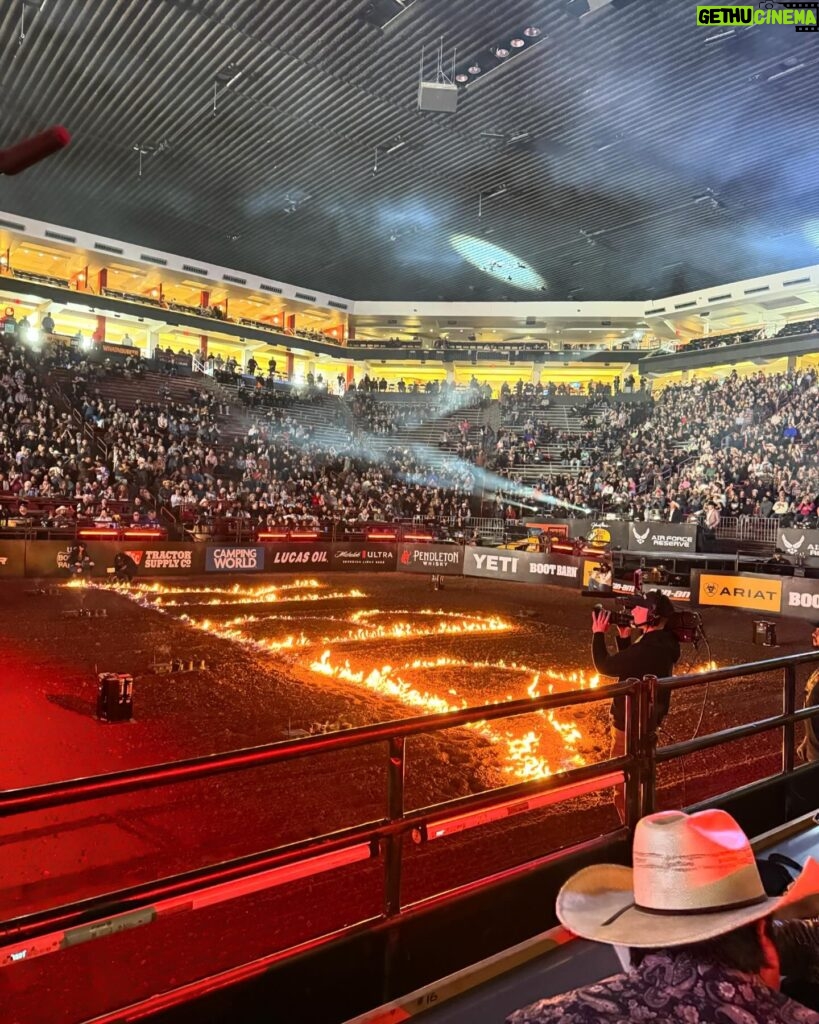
<point>749,528</point>
<point>44,931</point>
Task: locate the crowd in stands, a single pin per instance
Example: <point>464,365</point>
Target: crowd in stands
<point>763,333</point>
<point>744,445</point>
<point>45,454</point>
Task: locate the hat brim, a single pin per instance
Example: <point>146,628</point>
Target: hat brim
<point>597,903</point>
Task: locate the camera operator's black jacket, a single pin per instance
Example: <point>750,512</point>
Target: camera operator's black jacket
<point>654,654</point>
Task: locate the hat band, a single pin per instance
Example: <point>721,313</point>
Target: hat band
<point>688,911</point>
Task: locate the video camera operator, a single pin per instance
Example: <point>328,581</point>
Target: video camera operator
<point>654,653</point>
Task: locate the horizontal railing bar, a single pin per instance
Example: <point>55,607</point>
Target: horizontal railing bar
<point>736,732</point>
<point>732,671</point>
<point>55,794</point>
<point>715,739</point>
<point>751,788</point>
<point>475,802</point>
<point>142,896</point>
<point>247,971</point>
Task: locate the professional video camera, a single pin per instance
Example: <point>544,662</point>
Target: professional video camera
<point>685,625</point>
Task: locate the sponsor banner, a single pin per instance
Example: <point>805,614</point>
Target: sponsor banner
<point>297,557</point>
<point>110,348</point>
<point>234,558</point>
<point>662,538</point>
<point>12,557</point>
<point>522,566</point>
<point>46,558</point>
<point>738,590</point>
<point>800,599</point>
<point>674,593</point>
<point>798,544</point>
<point>443,559</point>
<point>364,557</point>
<point>557,570</point>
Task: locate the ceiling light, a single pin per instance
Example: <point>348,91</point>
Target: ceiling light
<point>501,51</point>
<point>474,69</point>
<point>517,43</point>
<point>461,79</point>
<point>532,32</point>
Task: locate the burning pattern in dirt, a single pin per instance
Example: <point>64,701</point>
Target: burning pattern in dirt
<point>520,748</point>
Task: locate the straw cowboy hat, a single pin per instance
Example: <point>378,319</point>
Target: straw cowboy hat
<point>694,878</point>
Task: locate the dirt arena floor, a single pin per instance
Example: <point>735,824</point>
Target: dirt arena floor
<point>289,653</point>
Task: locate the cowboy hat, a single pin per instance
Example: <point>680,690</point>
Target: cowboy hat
<point>694,878</point>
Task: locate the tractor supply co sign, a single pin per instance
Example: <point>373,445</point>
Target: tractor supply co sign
<point>743,590</point>
<point>296,557</point>
<point>234,559</point>
<point>443,559</point>
<point>157,559</point>
<point>662,538</point>
<point>522,566</point>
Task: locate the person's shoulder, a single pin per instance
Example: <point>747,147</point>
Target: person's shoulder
<point>608,1000</point>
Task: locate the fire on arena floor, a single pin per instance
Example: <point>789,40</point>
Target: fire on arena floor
<point>294,656</point>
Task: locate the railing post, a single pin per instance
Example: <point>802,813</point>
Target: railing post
<point>395,812</point>
<point>634,773</point>
<point>648,737</point>
<point>788,708</point>
<point>393,852</point>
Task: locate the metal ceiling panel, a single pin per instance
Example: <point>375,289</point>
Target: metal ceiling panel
<point>638,158</point>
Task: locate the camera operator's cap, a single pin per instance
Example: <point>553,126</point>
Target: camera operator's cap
<point>658,603</point>
<point>694,878</point>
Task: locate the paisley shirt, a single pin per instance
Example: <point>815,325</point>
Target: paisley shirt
<point>670,988</point>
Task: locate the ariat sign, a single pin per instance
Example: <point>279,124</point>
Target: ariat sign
<point>442,559</point>
<point>757,593</point>
<point>249,559</point>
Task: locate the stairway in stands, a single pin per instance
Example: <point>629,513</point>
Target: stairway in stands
<point>560,417</point>
<point>148,389</point>
<point>424,439</point>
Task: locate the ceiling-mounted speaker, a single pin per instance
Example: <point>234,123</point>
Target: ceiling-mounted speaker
<point>381,12</point>
<point>531,321</point>
<point>438,96</point>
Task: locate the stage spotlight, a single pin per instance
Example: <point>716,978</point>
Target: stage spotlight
<point>474,69</point>
<point>517,43</point>
<point>461,79</point>
<point>500,52</point>
<point>532,32</point>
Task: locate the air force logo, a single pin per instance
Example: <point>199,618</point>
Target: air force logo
<point>791,548</point>
<point>641,538</point>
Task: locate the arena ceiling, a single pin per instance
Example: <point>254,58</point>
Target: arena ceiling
<point>624,153</point>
